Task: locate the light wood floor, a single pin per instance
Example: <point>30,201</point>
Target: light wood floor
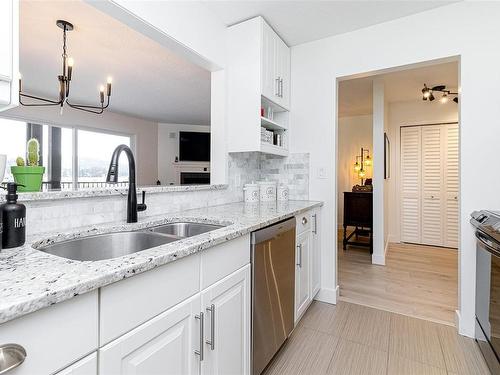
<point>353,339</point>
<point>419,281</point>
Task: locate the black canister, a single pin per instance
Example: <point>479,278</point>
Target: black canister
<point>13,219</point>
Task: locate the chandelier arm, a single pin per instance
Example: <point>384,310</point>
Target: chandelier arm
<point>48,102</point>
<point>74,105</point>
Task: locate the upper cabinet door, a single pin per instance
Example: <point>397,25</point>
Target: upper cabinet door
<point>227,325</point>
<point>283,68</point>
<point>165,344</point>
<point>9,52</point>
<point>268,63</point>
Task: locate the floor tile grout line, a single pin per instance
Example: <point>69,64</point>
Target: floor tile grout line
<point>389,344</point>
<point>442,350</point>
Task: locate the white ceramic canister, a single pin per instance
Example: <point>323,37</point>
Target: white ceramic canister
<point>251,193</point>
<point>283,193</point>
<point>267,191</point>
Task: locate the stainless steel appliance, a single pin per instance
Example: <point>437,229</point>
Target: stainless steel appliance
<point>487,226</point>
<point>273,285</point>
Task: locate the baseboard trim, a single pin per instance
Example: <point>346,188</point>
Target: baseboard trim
<point>463,328</point>
<point>328,295</point>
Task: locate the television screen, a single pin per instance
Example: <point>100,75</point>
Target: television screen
<point>194,146</point>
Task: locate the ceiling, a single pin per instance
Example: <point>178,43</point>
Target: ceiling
<point>355,95</point>
<point>149,81</point>
<point>303,21</point>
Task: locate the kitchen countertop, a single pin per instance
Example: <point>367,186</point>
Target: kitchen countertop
<point>31,279</point>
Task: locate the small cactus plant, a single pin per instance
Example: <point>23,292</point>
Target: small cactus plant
<point>20,162</point>
<point>33,152</point>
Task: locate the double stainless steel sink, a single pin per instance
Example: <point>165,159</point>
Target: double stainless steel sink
<point>114,245</point>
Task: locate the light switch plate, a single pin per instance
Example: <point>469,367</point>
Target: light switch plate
<point>321,173</point>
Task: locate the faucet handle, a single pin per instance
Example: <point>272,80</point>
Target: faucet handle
<point>142,206</point>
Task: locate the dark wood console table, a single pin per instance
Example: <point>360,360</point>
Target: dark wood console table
<point>358,213</point>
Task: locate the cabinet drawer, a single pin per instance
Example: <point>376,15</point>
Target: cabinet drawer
<point>224,259</point>
<point>55,336</point>
<point>303,222</point>
<point>126,304</point>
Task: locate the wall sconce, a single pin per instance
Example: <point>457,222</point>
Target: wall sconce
<point>363,160</point>
<point>427,93</point>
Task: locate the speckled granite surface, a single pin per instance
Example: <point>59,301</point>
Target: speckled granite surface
<point>104,192</point>
<point>31,279</point>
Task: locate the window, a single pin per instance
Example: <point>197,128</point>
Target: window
<point>57,152</point>
<point>94,154</point>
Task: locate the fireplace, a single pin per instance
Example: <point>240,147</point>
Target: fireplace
<point>195,178</point>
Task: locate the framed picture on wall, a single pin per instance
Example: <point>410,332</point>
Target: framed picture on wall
<point>387,157</point>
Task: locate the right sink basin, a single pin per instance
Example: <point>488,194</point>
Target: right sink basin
<point>185,229</point>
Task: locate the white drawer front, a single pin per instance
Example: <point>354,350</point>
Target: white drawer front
<point>130,302</point>
<point>303,222</point>
<point>55,336</point>
<point>85,366</point>
<point>224,259</point>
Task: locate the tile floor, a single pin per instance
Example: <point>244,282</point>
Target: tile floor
<point>353,339</point>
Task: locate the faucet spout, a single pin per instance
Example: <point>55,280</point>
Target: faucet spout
<point>112,178</point>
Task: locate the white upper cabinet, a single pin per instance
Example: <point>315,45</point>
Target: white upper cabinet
<point>275,66</point>
<point>9,53</point>
<point>258,81</point>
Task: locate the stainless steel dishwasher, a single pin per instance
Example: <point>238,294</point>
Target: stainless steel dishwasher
<point>273,285</point>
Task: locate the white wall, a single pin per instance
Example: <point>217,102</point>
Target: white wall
<point>317,65</point>
<point>168,148</point>
<point>354,132</point>
<point>403,114</point>
<point>145,132</point>
<point>379,240</point>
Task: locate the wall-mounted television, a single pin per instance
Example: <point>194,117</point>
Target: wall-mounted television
<point>194,146</point>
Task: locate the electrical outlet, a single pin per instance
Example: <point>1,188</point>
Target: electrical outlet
<point>321,173</point>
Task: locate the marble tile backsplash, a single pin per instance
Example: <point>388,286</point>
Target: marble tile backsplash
<point>64,214</point>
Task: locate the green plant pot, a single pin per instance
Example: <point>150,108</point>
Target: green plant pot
<point>30,177</point>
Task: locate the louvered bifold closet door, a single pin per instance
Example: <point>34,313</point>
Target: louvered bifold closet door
<point>451,183</point>
<point>433,151</point>
<point>410,184</point>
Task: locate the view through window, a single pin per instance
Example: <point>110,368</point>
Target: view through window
<point>57,152</point>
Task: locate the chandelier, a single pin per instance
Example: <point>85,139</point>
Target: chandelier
<point>64,84</point>
<point>362,162</point>
<point>427,94</point>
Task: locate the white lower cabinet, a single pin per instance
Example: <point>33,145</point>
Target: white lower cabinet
<point>164,345</point>
<point>227,325</point>
<point>208,333</point>
<point>85,366</point>
<point>302,274</point>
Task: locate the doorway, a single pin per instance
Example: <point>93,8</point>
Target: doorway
<point>408,120</point>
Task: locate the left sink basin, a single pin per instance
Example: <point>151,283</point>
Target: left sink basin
<point>107,246</point>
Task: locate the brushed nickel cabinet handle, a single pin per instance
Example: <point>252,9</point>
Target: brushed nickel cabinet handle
<point>277,93</point>
<point>211,342</point>
<point>11,356</point>
<point>299,247</point>
<point>281,87</point>
<point>200,351</point>
<point>315,230</point>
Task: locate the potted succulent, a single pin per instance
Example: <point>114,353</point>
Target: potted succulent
<point>29,174</point>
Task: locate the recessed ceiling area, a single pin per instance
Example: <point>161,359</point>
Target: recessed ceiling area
<point>304,21</point>
<point>149,81</point>
<point>356,95</point>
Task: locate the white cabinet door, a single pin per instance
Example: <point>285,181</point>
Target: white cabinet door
<point>432,185</point>
<point>302,274</point>
<point>165,344</point>
<point>451,183</point>
<point>85,366</point>
<point>226,306</point>
<point>315,253</point>
<point>9,52</point>
<point>283,72</point>
<point>269,74</point>
<point>410,183</point>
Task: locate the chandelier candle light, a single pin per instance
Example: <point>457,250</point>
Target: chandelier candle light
<point>64,83</point>
<point>428,93</point>
<point>361,162</point>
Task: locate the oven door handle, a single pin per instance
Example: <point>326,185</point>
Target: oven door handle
<point>489,245</point>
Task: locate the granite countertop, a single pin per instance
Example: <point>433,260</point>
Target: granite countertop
<point>31,279</point>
